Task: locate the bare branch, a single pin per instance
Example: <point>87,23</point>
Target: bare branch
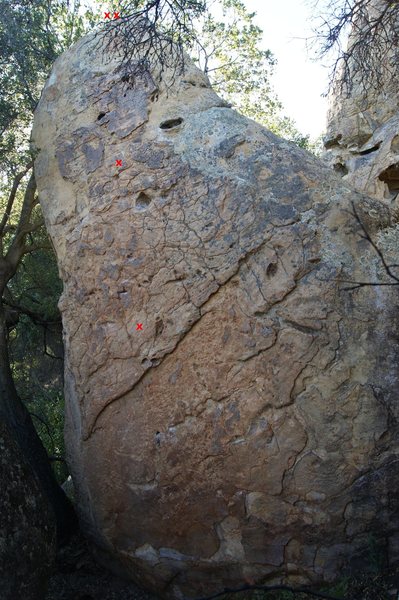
<point>36,317</point>
<point>29,248</point>
<point>153,35</point>
<point>372,50</point>
<point>366,236</point>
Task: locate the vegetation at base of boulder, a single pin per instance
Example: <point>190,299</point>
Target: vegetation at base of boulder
<point>374,582</point>
<point>273,592</point>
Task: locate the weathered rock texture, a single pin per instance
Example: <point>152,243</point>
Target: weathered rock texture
<point>362,139</point>
<point>247,431</point>
<point>27,527</point>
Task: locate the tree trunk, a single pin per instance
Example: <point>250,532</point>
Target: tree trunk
<point>16,415</point>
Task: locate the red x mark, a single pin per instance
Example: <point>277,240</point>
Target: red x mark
<point>139,326</point>
<point>107,15</point>
<point>116,15</point>
<point>118,163</point>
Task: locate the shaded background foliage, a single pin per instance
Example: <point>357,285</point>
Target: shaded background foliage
<point>36,349</point>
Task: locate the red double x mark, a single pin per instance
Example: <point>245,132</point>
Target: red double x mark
<point>118,163</point>
<point>139,326</point>
<point>107,15</point>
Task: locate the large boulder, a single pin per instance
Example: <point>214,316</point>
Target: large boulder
<point>27,526</point>
<point>230,408</point>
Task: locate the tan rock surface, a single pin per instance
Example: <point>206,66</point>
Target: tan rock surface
<point>236,434</point>
<point>362,139</point>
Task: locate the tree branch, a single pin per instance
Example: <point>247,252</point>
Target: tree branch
<point>388,268</point>
<point>36,317</point>
<point>32,414</point>
<point>11,197</point>
<point>374,36</point>
<point>28,249</point>
<point>17,247</point>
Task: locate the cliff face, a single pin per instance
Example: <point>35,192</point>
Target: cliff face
<point>230,409</point>
<point>362,140</point>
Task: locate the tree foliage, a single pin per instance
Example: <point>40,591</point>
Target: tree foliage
<point>229,49</point>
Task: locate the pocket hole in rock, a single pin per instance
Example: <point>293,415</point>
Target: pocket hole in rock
<point>341,169</point>
<point>391,177</point>
<point>332,142</point>
<point>370,150</point>
<point>143,201</point>
<point>271,269</point>
<point>100,116</point>
<point>146,362</point>
<point>171,123</point>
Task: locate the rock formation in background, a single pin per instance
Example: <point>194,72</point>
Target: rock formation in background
<point>27,527</point>
<point>362,140</point>
<point>230,408</point>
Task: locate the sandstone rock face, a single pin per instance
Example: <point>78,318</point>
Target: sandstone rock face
<point>27,527</point>
<point>230,409</point>
<point>362,139</point>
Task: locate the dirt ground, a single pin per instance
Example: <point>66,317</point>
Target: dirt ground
<point>78,577</point>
